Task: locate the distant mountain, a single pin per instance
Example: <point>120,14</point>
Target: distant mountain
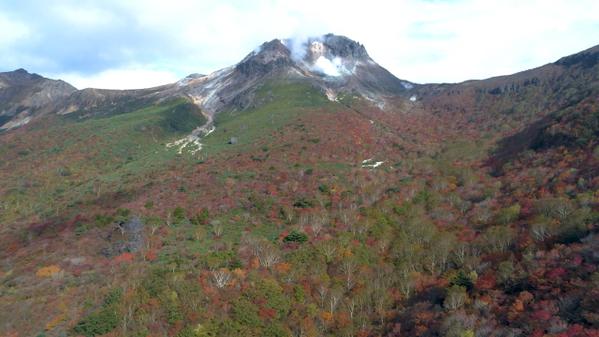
<point>333,64</point>
<point>523,96</point>
<point>23,95</point>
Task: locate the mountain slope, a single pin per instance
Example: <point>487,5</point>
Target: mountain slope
<point>521,97</point>
<point>22,95</point>
<point>305,191</point>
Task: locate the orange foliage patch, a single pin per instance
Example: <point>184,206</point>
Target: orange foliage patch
<point>55,321</point>
<point>124,258</point>
<point>283,267</point>
<point>48,271</point>
<point>326,316</point>
<point>151,255</point>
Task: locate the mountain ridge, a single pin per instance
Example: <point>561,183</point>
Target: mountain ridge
<point>335,64</point>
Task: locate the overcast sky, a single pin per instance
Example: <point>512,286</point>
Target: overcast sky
<point>142,43</point>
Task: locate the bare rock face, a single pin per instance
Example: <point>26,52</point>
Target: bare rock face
<point>23,95</point>
<point>273,55</point>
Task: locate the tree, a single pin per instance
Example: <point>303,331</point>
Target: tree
<point>508,215</point>
<point>217,228</point>
<point>456,297</point>
<point>499,238</point>
<point>296,236</point>
<point>349,268</point>
<point>267,254</point>
<point>221,277</point>
<point>317,223</point>
<point>541,229</point>
<point>328,249</point>
<point>179,215</point>
<point>463,280</point>
<point>104,319</point>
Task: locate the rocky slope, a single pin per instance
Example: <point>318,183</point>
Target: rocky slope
<point>23,95</point>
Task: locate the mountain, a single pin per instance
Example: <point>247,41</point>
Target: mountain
<point>525,96</point>
<point>23,94</point>
<point>334,64</point>
<point>304,191</point>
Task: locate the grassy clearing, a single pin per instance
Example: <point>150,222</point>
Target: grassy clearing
<point>283,103</point>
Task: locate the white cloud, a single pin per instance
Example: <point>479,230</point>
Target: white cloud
<point>83,16</point>
<point>12,31</point>
<point>128,78</point>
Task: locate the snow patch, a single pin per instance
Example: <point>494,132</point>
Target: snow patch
<point>210,131</point>
<point>192,142</point>
<point>331,95</point>
<point>407,85</point>
<point>413,98</point>
<point>369,163</point>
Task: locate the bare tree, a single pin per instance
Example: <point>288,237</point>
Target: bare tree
<point>540,231</point>
<point>287,213</point>
<point>217,228</point>
<point>351,305</point>
<point>97,188</point>
<point>349,268</point>
<point>382,245</point>
<point>456,297</point>
<point>348,216</point>
<point>334,298</point>
<point>328,249</point>
<point>406,284</point>
<point>459,254</point>
<point>268,255</point>
<point>322,293</point>
<point>318,222</point>
<point>221,277</point>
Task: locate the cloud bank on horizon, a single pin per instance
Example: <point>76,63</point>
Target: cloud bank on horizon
<point>142,43</point>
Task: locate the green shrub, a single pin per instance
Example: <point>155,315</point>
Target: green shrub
<point>98,323</point>
<point>462,279</point>
<point>324,189</point>
<point>303,203</point>
<point>508,215</point>
<point>201,218</point>
<point>296,236</point>
<point>187,332</point>
<point>179,215</point>
<point>103,320</point>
